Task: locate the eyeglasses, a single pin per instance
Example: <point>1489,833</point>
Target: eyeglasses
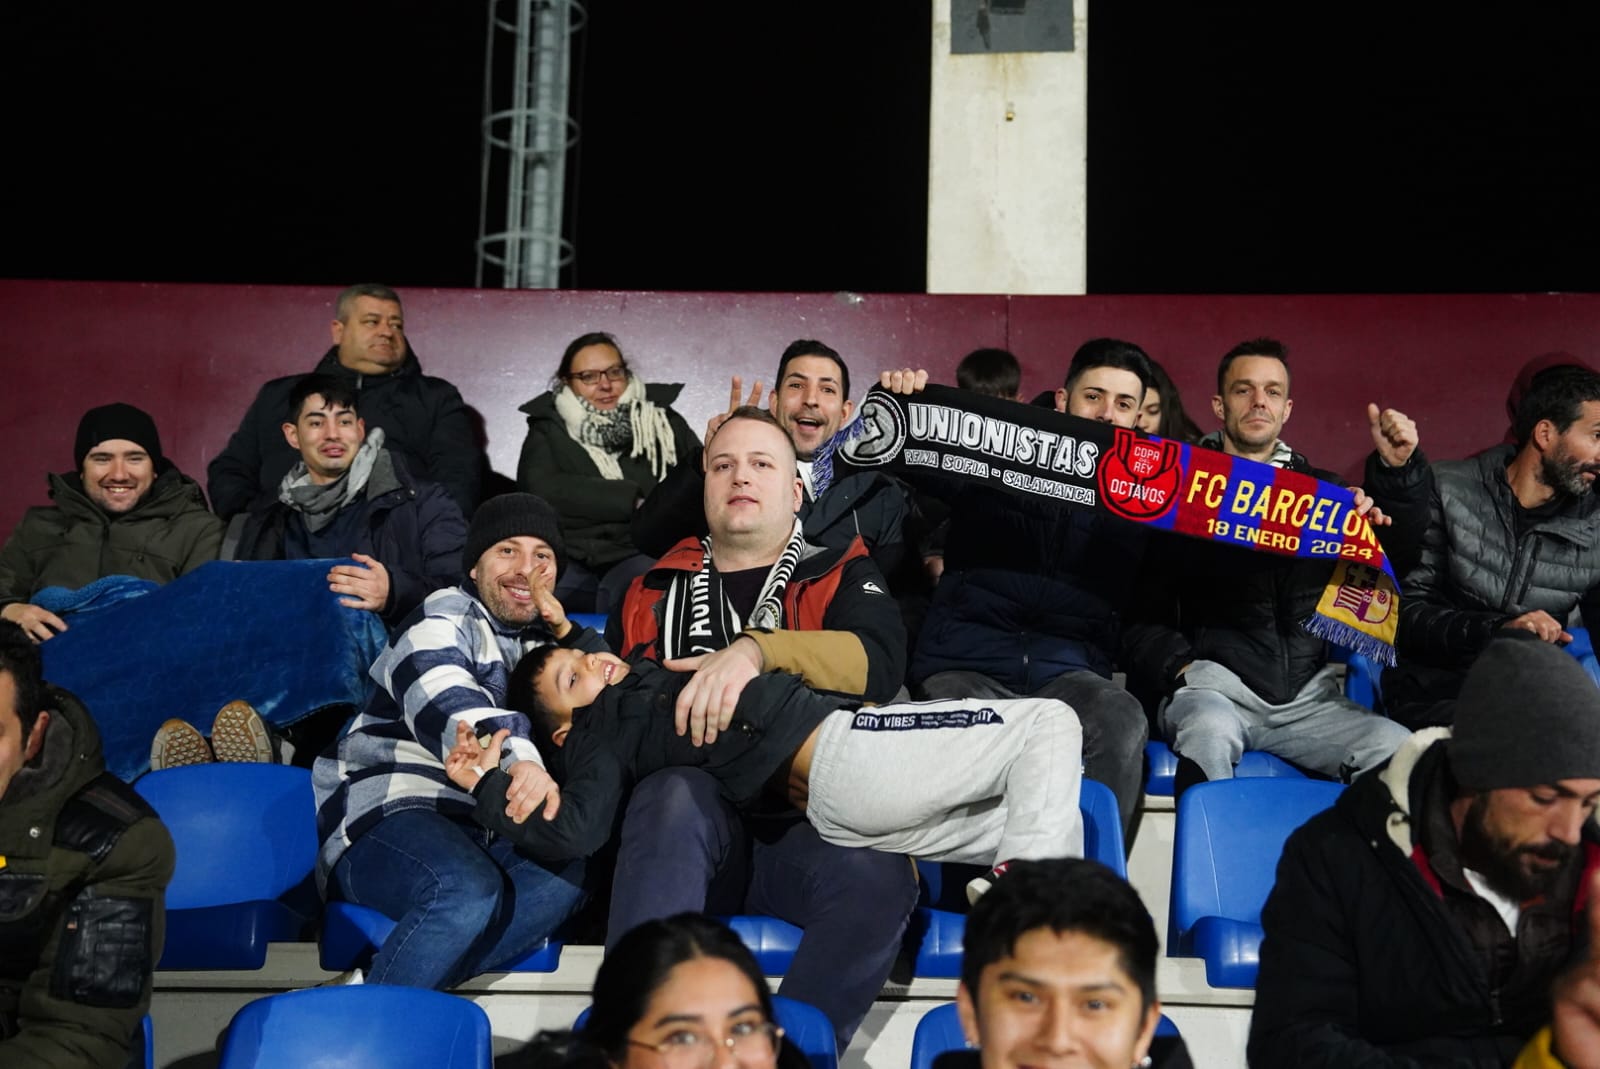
<point>616,374</point>
<point>749,1041</point>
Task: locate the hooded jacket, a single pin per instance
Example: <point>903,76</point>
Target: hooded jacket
<point>423,419</point>
<point>86,863</point>
<point>412,527</point>
<point>1378,953</point>
<point>628,733</point>
<point>596,512</point>
<point>1477,570</point>
<point>841,631</point>
<point>74,542</point>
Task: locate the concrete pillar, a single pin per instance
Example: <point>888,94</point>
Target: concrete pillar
<point>1007,167</point>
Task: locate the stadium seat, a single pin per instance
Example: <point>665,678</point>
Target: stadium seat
<point>144,1046</point>
<point>939,1031</point>
<point>1230,835</point>
<point>1162,767</point>
<point>1363,681</point>
<point>363,1025</point>
<point>351,934</point>
<point>596,620</point>
<point>804,1025</point>
<point>939,922</point>
<point>246,840</point>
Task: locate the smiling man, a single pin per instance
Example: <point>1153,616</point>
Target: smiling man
<point>125,511</point>
<point>1510,543</point>
<point>396,835</point>
<point>1422,919</point>
<point>351,497</point>
<point>1058,968</point>
<point>423,417</point>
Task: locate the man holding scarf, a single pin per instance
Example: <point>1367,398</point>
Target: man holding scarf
<point>349,497</point>
<point>1221,633</point>
<point>754,596</point>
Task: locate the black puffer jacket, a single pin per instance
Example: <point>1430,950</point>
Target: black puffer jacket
<point>1475,573</point>
<point>1242,608</point>
<point>423,419</point>
<point>1377,951</point>
<point>1030,590</point>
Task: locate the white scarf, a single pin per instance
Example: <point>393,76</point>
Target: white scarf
<point>646,426</point>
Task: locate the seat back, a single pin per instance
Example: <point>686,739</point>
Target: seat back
<point>243,832</point>
<point>1102,827</point>
<point>1230,835</point>
<point>376,1025</point>
<point>807,1027</point>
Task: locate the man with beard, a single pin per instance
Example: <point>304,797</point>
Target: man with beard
<point>1510,543</point>
<point>125,510</point>
<point>396,834</point>
<point>1422,919</point>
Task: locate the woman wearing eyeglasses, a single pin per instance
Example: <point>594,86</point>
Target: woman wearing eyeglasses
<point>598,442</point>
<point>679,993</point>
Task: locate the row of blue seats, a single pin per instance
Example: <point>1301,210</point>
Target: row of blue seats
<point>358,1026</point>
<point>246,843</point>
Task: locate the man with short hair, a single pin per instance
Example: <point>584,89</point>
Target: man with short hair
<point>1221,633</point>
<point>351,496</point>
<point>422,417</point>
<point>125,510</point>
<point>754,596</point>
<point>396,835</point>
<point>84,865</point>
<point>811,401</point>
<point>1422,919</point>
<point>1058,967</point>
<point>1031,597</point>
<point>1510,543</point>
<point>991,372</point>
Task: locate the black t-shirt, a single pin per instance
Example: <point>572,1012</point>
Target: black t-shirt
<point>743,587</point>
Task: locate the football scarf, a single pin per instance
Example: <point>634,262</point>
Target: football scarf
<point>697,619</point>
<point>1164,485</point>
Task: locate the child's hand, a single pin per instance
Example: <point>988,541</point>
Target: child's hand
<point>468,761</point>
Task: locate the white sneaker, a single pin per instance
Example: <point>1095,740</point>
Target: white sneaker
<point>239,734</point>
<point>350,978</point>
<point>978,886</point>
<point>177,743</point>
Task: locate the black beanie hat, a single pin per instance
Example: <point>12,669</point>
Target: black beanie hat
<point>116,421</point>
<point>508,516</point>
<point>1528,714</point>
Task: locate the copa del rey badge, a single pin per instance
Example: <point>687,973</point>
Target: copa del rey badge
<point>1139,477</point>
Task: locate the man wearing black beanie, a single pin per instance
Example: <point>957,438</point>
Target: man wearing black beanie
<point>124,510</point>
<point>1422,919</point>
<point>397,836</point>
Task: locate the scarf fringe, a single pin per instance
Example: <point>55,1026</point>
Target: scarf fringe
<point>648,424</point>
<point>1342,634</point>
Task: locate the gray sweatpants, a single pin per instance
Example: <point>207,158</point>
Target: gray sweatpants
<point>1215,718</point>
<point>976,782</point>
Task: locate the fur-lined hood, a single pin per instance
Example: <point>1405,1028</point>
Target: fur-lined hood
<point>1396,778</point>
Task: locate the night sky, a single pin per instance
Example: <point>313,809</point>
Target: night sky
<point>1233,147</point>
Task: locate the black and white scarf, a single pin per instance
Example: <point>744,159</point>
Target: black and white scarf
<point>697,618</point>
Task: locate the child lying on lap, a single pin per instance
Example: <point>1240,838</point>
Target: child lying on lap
<point>966,781</point>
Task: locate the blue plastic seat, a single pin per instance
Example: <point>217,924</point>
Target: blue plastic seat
<point>246,838</point>
<point>807,1027</point>
<point>144,1044</point>
<point>1230,835</point>
<point>939,1031</point>
<point>351,934</point>
<point>1363,681</point>
<point>938,925</point>
<point>1162,766</point>
<point>364,1025</point>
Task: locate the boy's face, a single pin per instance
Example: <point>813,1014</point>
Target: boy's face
<point>572,679</point>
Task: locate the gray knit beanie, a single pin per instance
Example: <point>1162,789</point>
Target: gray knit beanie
<point>1528,714</point>
<point>508,516</point>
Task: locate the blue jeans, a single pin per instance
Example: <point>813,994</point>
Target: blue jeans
<point>463,905</point>
<point>684,848</point>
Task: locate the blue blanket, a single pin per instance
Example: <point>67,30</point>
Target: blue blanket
<point>269,632</point>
